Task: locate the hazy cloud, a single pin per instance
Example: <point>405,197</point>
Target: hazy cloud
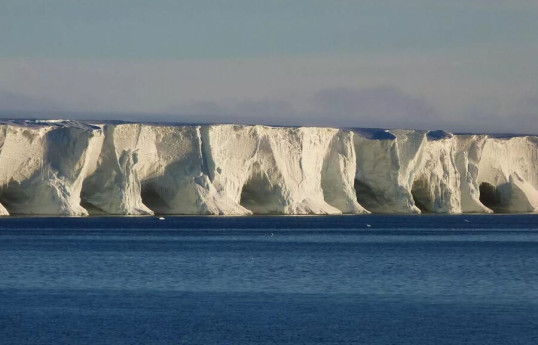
<point>456,92</point>
<point>340,107</point>
<point>10,101</point>
<point>377,107</point>
<point>522,119</point>
<point>266,112</point>
<point>382,107</point>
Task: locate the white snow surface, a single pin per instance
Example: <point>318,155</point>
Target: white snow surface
<point>63,167</point>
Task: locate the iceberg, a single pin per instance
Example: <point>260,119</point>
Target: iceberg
<point>62,167</point>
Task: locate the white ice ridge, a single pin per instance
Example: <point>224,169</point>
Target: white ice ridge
<point>72,168</point>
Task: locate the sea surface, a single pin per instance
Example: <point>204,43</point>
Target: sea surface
<point>429,279</point>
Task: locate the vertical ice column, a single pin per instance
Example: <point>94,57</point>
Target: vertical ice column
<point>114,187</point>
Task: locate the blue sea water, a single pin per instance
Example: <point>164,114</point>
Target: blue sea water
<point>470,279</point>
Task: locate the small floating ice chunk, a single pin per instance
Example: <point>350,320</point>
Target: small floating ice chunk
<point>368,225</point>
<point>161,218</point>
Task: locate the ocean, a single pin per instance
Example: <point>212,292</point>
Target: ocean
<point>429,279</point>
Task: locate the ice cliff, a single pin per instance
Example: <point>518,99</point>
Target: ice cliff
<point>72,168</point>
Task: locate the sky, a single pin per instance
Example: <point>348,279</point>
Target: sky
<point>459,65</point>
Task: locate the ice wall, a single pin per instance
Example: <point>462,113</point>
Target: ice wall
<point>146,169</point>
<point>283,170</point>
<point>406,171</point>
<point>508,174</point>
<point>386,163</point>
<point>71,168</point>
<point>468,156</point>
<point>43,166</point>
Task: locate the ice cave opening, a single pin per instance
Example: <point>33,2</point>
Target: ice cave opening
<point>13,194</point>
<point>421,196</point>
<point>92,199</point>
<point>259,195</point>
<point>366,196</point>
<point>153,199</point>
<point>85,197</point>
<point>91,208</point>
<point>489,196</point>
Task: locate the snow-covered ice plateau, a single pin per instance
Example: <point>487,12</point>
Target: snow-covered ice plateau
<point>61,167</point>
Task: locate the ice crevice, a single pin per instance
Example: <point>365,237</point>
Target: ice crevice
<point>76,169</point>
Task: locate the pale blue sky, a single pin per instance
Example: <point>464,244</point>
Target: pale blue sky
<point>250,61</point>
<point>165,29</point>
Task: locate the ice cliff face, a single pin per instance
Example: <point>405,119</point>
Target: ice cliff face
<point>70,168</point>
<point>222,170</point>
<point>282,170</point>
<point>508,174</point>
<point>43,166</point>
<point>403,171</point>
